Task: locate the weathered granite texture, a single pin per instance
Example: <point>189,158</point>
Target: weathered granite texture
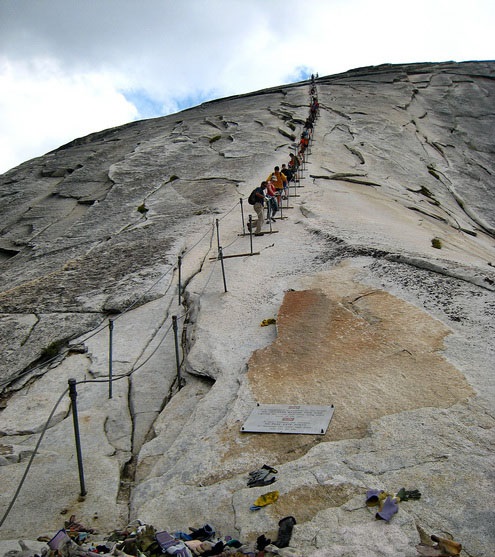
<point>371,316</point>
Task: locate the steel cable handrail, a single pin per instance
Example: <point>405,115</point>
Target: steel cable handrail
<point>115,378</point>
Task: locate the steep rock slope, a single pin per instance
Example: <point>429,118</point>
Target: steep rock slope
<point>373,316</point>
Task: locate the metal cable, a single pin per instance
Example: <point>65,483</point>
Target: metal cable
<point>21,483</point>
<point>115,378</point>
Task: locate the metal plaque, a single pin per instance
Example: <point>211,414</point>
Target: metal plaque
<point>289,418</point>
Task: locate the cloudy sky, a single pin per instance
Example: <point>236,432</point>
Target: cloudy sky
<point>72,67</point>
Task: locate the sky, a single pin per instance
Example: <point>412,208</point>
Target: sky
<point>73,67</point>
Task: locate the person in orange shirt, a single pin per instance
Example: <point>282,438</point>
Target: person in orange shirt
<point>279,181</point>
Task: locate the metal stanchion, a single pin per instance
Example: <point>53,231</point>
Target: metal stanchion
<point>223,269</point>
<point>177,356</point>
<point>218,235</point>
<point>250,226</point>
<point>242,217</point>
<point>179,266</point>
<point>73,397</point>
<point>110,357</point>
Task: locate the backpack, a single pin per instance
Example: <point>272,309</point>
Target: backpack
<point>252,197</point>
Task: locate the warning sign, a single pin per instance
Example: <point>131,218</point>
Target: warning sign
<point>289,418</point>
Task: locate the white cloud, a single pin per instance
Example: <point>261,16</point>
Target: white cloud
<point>42,108</point>
<point>70,67</point>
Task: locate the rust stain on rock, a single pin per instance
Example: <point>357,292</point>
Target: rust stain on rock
<point>369,356</point>
<point>365,351</point>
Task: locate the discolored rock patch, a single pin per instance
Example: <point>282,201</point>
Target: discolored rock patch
<point>310,500</point>
<point>370,356</point>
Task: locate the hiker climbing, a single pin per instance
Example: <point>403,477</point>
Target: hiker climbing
<point>287,172</point>
<point>276,186</point>
<point>259,203</point>
<point>272,204</point>
<point>279,181</point>
<point>294,163</point>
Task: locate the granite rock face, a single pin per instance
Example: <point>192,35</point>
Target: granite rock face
<point>379,274</point>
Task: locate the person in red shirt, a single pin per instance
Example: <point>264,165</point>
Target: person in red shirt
<point>272,200</point>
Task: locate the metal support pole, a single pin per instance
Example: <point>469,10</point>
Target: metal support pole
<point>251,232</point>
<point>242,216</point>
<point>220,252</point>
<point>179,265</point>
<point>73,397</point>
<point>218,235</point>
<point>110,357</point>
<point>269,213</point>
<point>177,357</point>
